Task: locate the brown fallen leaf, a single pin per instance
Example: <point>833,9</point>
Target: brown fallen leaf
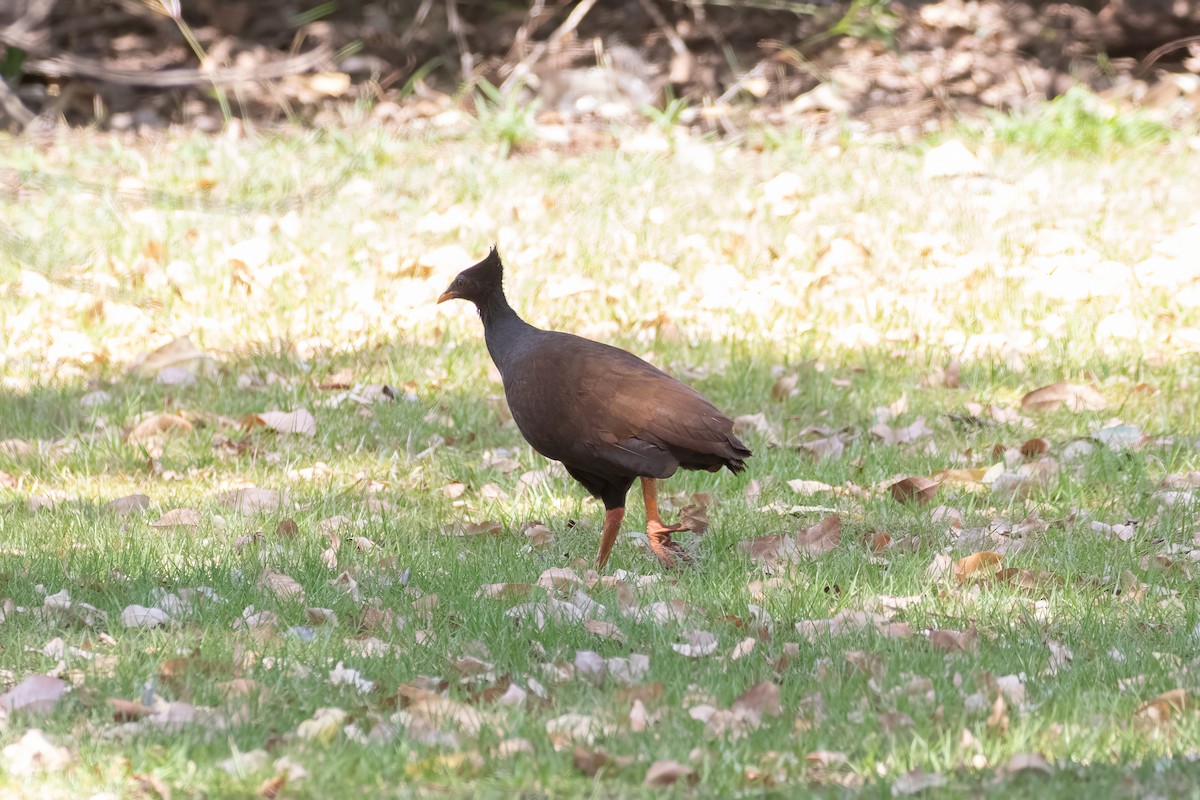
<point>820,538</point>
<point>177,518</point>
<point>1075,397</point>
<point>954,641</point>
<point>155,426</point>
<point>910,433</point>
<point>761,698</point>
<point>698,644</point>
<point>1028,579</point>
<point>694,515</point>
<point>179,355</point>
<point>971,566</point>
<point>998,719</point>
<point>35,694</point>
<point>538,535</point>
<point>812,541</point>
<point>1035,447</point>
<point>826,758</point>
<point>464,529</point>
<point>284,587</point>
<point>251,500</point>
<point>34,753</point>
<point>666,773</point>
<point>879,541</point>
<point>915,488</point>
<point>916,781</point>
<point>977,476</point>
<point>498,591</point>
<point>299,421</point>
<point>128,710</point>
<point>605,630</point>
<point>271,787</point>
<point>1166,705</point>
<point>785,387</point>
<point>1027,762</point>
<point>130,504</point>
<point>590,762</point>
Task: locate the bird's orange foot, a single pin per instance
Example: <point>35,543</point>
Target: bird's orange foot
<point>661,544</point>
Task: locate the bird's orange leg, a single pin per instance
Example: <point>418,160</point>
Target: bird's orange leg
<point>659,534</point>
<point>612,526</point>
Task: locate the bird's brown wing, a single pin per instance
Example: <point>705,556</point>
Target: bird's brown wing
<point>584,402</point>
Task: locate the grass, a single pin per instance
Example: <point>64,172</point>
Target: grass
<point>1081,123</point>
<point>290,259</point>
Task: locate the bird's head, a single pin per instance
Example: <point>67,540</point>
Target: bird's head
<point>477,283</point>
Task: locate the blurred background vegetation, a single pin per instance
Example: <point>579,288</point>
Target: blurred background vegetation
<point>896,65</point>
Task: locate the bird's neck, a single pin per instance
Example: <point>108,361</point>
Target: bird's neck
<point>502,330</point>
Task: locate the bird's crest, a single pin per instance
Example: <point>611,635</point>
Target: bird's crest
<point>490,271</point>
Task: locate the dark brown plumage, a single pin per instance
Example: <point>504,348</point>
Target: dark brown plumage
<point>608,416</point>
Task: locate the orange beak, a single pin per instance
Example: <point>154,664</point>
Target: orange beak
<point>447,295</point>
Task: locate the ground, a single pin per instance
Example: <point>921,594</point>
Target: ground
<point>352,595</point>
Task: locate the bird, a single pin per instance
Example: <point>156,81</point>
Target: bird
<point>609,417</point>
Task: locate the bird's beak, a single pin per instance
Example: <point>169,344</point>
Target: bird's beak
<point>449,294</point>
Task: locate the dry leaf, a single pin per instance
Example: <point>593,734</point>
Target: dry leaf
<point>155,426</point>
<point>808,488</point>
<point>323,725</point>
<point>698,644</point>
<point>464,529</point>
<point>978,476</point>
<point>180,355</point>
<point>35,694</point>
<point>177,518</point>
<point>916,781</point>
<point>560,578</point>
<point>34,753</point>
<point>879,541</point>
<point>916,488</point>
<point>130,504</point>
<point>761,698</point>
<point>299,421</point>
<point>666,773</point>
<point>743,648</point>
<point>785,387</point>
<point>128,710</point>
<point>539,536</point>
<point>605,630</point>
<point>135,616</point>
<point>1056,395</point>
<point>590,762</point>
<point>820,538</point>
<point>998,719</point>
<point>1035,447</point>
<point>911,433</point>
<point>1028,762</point>
<point>251,500</point>
<point>986,562</point>
<point>284,587</point>
<point>1158,710</point>
<point>954,641</point>
<point>497,591</point>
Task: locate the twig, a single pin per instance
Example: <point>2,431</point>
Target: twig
<point>668,30</point>
<point>12,107</point>
<point>67,66</point>
<point>455,23</point>
<point>532,19</point>
<point>569,24</point>
<point>1161,51</point>
<point>418,21</point>
<point>23,32</point>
